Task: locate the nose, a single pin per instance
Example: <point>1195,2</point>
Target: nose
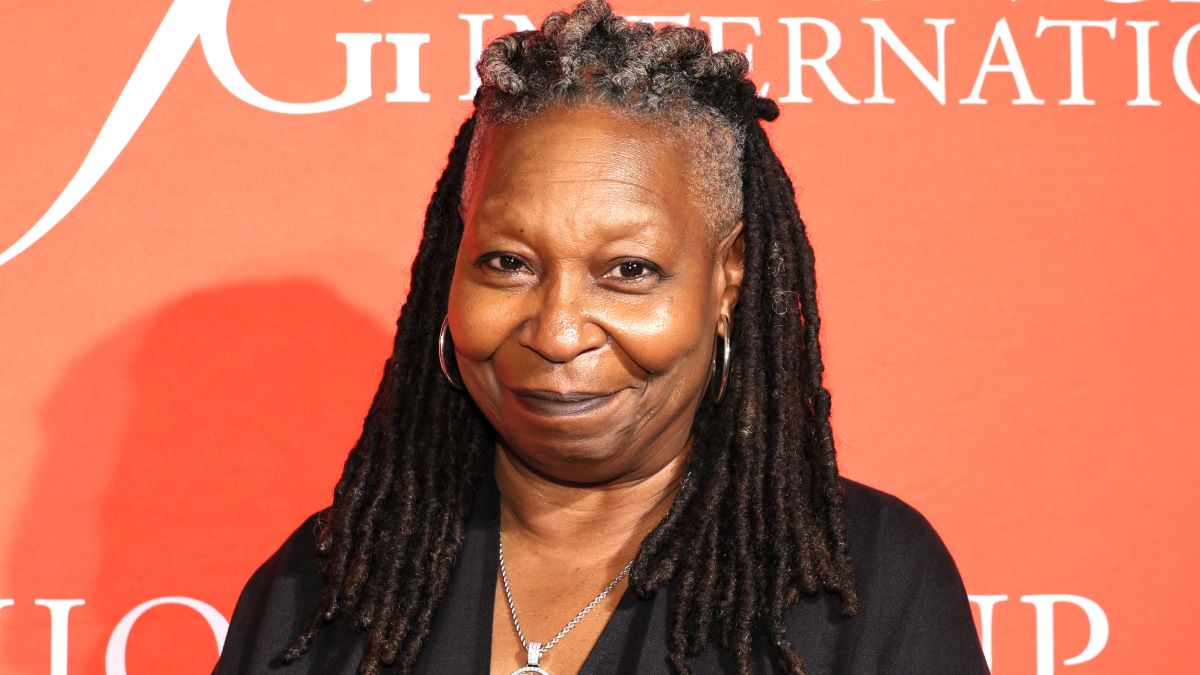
<point>561,324</point>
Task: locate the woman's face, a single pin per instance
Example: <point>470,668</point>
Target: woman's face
<point>586,294</point>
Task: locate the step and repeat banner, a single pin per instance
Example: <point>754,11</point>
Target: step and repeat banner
<point>208,209</point>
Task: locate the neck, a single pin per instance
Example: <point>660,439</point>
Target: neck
<point>607,521</point>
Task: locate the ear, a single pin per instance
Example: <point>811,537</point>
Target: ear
<point>731,266</point>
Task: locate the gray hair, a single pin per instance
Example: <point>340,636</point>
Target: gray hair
<point>668,78</point>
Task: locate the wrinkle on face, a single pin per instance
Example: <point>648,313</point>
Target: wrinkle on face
<point>712,147</point>
<point>570,194</point>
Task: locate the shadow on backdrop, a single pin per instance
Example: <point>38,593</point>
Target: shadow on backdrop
<point>179,452</point>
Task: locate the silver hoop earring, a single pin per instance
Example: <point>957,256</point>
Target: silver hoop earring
<point>442,354</point>
<point>726,355</point>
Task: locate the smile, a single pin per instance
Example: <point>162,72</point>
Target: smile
<point>555,404</point>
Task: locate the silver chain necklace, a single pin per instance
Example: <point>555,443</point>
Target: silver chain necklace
<point>535,650</point>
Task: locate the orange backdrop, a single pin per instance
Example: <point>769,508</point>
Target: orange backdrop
<point>193,321</point>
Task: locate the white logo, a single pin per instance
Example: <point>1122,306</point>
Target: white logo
<point>1044,622</point>
<point>114,657</point>
<point>187,21</point>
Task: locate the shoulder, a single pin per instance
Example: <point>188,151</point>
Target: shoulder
<point>297,555</point>
<point>910,591</point>
<point>278,598</point>
<point>883,529</point>
<point>291,569</point>
<point>894,547</point>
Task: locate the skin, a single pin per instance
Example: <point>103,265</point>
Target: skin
<point>586,268</point>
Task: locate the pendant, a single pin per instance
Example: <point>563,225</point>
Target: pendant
<point>533,653</point>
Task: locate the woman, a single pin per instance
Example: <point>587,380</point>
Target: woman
<point>625,463</point>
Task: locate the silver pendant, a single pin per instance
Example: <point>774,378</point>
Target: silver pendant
<point>533,654</point>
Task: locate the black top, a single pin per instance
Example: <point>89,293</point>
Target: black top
<point>914,617</point>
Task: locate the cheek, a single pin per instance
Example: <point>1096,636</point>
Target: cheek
<point>479,320</point>
<point>666,336</point>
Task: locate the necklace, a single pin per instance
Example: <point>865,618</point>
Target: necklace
<point>535,650</point>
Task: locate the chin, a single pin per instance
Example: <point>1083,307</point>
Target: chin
<point>575,460</point>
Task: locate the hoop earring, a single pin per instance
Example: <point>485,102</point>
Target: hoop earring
<point>442,354</point>
<point>726,355</point>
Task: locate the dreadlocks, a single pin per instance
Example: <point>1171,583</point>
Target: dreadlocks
<point>761,521</point>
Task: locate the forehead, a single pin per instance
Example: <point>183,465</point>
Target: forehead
<point>584,164</point>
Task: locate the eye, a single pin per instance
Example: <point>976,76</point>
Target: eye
<point>634,270</point>
<point>503,262</point>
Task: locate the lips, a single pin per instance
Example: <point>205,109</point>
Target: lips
<point>561,403</point>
